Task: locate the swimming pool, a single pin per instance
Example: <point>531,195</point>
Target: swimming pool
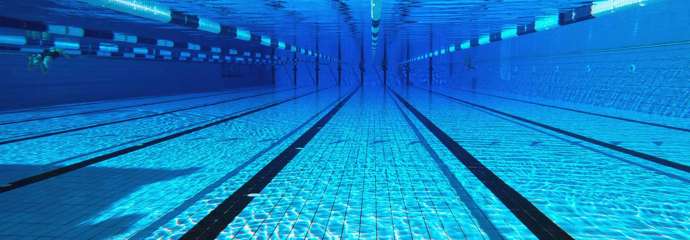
<point>564,132</point>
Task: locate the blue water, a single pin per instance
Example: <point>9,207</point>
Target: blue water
<point>586,124</point>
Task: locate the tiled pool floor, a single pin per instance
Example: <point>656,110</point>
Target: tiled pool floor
<point>157,168</point>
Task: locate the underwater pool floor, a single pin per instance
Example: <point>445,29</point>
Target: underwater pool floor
<point>341,162</point>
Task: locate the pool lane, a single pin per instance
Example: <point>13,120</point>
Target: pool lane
<point>27,158</point>
<point>540,224</point>
<point>135,118</point>
<point>32,129</point>
<point>612,113</point>
<point>663,143</point>
<point>47,112</point>
<point>212,224</point>
<point>590,193</point>
<point>364,175</point>
<point>118,197</point>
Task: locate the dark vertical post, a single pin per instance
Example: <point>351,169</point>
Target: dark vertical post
<point>450,64</point>
<point>294,65</point>
<point>340,58</point>
<point>294,70</point>
<point>431,59</point>
<point>340,61</point>
<point>384,64</point>
<point>407,65</point>
<point>318,62</point>
<point>361,62</point>
<point>273,66</point>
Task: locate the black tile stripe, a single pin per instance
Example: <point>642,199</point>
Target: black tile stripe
<point>72,167</point>
<point>53,133</point>
<point>581,111</point>
<point>482,219</point>
<point>151,228</point>
<point>523,209</point>
<point>112,109</point>
<point>213,223</point>
<point>641,155</point>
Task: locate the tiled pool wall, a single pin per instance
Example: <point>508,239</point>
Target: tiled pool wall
<point>80,79</point>
<point>637,59</point>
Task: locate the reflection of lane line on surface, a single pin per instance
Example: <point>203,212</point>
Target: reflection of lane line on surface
<point>48,134</point>
<point>641,155</point>
<point>190,201</point>
<point>578,111</point>
<point>114,108</point>
<point>537,222</point>
<point>213,223</point>
<point>484,222</point>
<point>72,167</point>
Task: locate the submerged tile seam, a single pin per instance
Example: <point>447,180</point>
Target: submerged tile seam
<point>537,222</point>
<point>579,111</point>
<point>641,155</point>
<point>213,223</point>
<point>48,134</point>
<point>484,223</point>
<point>190,201</point>
<point>76,166</point>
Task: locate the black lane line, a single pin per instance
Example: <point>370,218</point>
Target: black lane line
<point>584,145</point>
<point>151,228</point>
<point>476,212</point>
<point>72,167</point>
<point>537,222</point>
<point>111,109</point>
<point>48,134</point>
<point>212,224</point>
<point>580,111</point>
<point>641,155</point>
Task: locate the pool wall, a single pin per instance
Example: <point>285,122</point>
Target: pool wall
<point>81,79</point>
<point>634,59</point>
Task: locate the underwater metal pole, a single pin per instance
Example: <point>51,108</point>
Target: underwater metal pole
<point>384,63</point>
<point>294,70</point>
<point>431,59</point>
<point>317,57</point>
<point>361,63</point>
<point>294,63</point>
<point>340,60</point>
<point>450,65</point>
<point>273,67</point>
<point>407,67</point>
